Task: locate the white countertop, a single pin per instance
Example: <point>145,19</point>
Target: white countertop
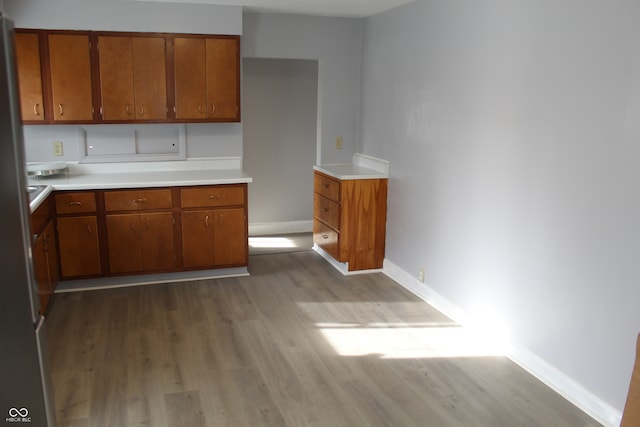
<point>80,179</point>
<point>362,167</point>
<point>346,171</point>
<point>104,181</point>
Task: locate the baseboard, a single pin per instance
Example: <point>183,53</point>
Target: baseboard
<point>342,267</point>
<point>536,366</point>
<point>284,227</point>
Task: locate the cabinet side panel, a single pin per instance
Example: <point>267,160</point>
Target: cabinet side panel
<point>363,222</point>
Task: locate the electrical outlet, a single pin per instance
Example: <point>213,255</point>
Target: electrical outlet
<point>57,148</point>
<point>339,143</point>
<point>421,275</point>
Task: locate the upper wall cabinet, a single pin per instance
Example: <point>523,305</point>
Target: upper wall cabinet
<point>207,78</point>
<point>30,80</point>
<point>133,83</point>
<point>70,77</point>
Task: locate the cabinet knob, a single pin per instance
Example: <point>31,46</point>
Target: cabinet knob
<point>75,203</point>
<point>60,110</point>
<point>136,201</point>
<point>35,109</point>
<point>214,196</point>
<point>325,236</point>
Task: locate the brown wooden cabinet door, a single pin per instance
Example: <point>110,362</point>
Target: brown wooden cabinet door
<point>70,73</point>
<point>140,242</point>
<point>197,238</point>
<point>158,249</point>
<point>29,76</point>
<point>207,78</point>
<point>230,237</point>
<point>149,76</point>
<point>124,243</point>
<point>116,78</point>
<point>133,78</point>
<point>223,79</point>
<point>78,245</point>
<point>189,57</point>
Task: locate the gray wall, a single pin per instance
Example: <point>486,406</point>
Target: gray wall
<point>336,43</point>
<point>280,98</point>
<point>513,130</point>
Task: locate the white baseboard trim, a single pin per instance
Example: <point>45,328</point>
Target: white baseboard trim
<point>536,366</point>
<point>342,267</point>
<point>284,227</point>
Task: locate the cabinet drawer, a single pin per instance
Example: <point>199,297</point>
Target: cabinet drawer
<point>326,238</point>
<point>75,202</point>
<point>326,210</point>
<point>137,200</point>
<point>218,195</point>
<point>326,186</point>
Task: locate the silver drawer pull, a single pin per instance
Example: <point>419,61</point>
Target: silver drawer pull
<point>139,200</point>
<point>325,236</point>
<point>214,196</point>
<point>75,203</point>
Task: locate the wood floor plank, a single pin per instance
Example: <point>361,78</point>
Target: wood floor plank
<point>294,344</point>
<point>184,409</point>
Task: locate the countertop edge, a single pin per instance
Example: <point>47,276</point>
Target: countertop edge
<point>364,174</point>
<point>112,181</point>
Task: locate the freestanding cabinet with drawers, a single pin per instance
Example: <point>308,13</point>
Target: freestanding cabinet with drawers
<point>349,219</point>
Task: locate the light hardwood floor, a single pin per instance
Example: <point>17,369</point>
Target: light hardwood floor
<point>294,344</point>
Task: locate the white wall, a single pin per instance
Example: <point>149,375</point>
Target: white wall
<point>203,140</point>
<point>125,15</point>
<point>513,130</point>
<point>280,99</point>
<point>336,43</point>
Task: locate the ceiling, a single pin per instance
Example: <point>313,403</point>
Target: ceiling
<point>343,8</point>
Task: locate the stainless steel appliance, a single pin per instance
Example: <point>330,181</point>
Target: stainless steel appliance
<point>25,397</point>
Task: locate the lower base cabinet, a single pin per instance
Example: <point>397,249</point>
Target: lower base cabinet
<point>214,238</point>
<point>138,231</point>
<point>79,246</point>
<point>44,251</point>
<point>45,264</point>
<point>140,242</point>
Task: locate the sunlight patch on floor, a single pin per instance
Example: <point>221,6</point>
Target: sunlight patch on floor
<point>410,341</point>
<point>271,242</point>
<point>420,336</point>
